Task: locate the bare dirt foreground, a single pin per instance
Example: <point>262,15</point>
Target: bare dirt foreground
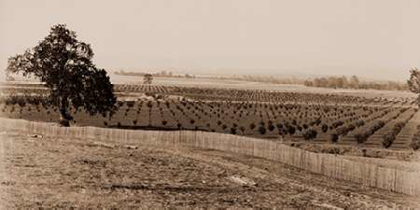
<point>47,173</point>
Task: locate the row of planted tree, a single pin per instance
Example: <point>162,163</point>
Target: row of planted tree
<point>228,94</point>
<point>231,94</point>
<point>284,118</point>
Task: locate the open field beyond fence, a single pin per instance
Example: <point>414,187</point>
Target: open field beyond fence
<point>326,164</point>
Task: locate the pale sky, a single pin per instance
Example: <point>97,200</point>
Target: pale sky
<point>370,38</point>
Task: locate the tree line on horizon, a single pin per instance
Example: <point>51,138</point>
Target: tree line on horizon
<point>335,82</point>
<point>353,82</point>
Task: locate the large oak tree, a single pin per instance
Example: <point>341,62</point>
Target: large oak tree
<point>64,65</point>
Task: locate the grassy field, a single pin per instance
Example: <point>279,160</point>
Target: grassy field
<point>59,173</point>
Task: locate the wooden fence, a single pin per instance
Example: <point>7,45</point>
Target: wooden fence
<point>326,164</point>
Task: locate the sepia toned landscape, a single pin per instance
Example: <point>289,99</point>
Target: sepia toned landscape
<point>157,105</point>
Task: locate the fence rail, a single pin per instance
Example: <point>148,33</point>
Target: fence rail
<point>329,165</point>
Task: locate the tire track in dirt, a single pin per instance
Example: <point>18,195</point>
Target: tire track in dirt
<point>323,192</point>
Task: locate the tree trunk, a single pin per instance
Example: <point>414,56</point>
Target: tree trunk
<point>65,117</point>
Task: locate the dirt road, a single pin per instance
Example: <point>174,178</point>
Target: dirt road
<point>39,172</point>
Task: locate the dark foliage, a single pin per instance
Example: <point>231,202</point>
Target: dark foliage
<point>389,138</point>
<point>310,134</point>
<point>324,128</point>
<point>414,83</point>
<point>65,66</point>
<point>334,137</point>
<point>262,130</point>
<point>147,79</point>
<point>363,136</point>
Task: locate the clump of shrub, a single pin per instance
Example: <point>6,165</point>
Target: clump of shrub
<point>262,130</point>
<point>310,134</point>
<point>149,104</point>
<point>271,127</point>
<point>415,144</point>
<point>324,128</point>
<point>233,130</point>
<point>130,104</point>
<point>332,150</point>
<point>344,130</point>
<point>290,129</point>
<point>363,136</point>
<point>334,137</point>
<point>389,138</point>
<point>252,126</point>
<point>337,124</point>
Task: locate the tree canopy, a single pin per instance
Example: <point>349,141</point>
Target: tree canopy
<point>147,79</point>
<point>414,82</point>
<point>64,65</point>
